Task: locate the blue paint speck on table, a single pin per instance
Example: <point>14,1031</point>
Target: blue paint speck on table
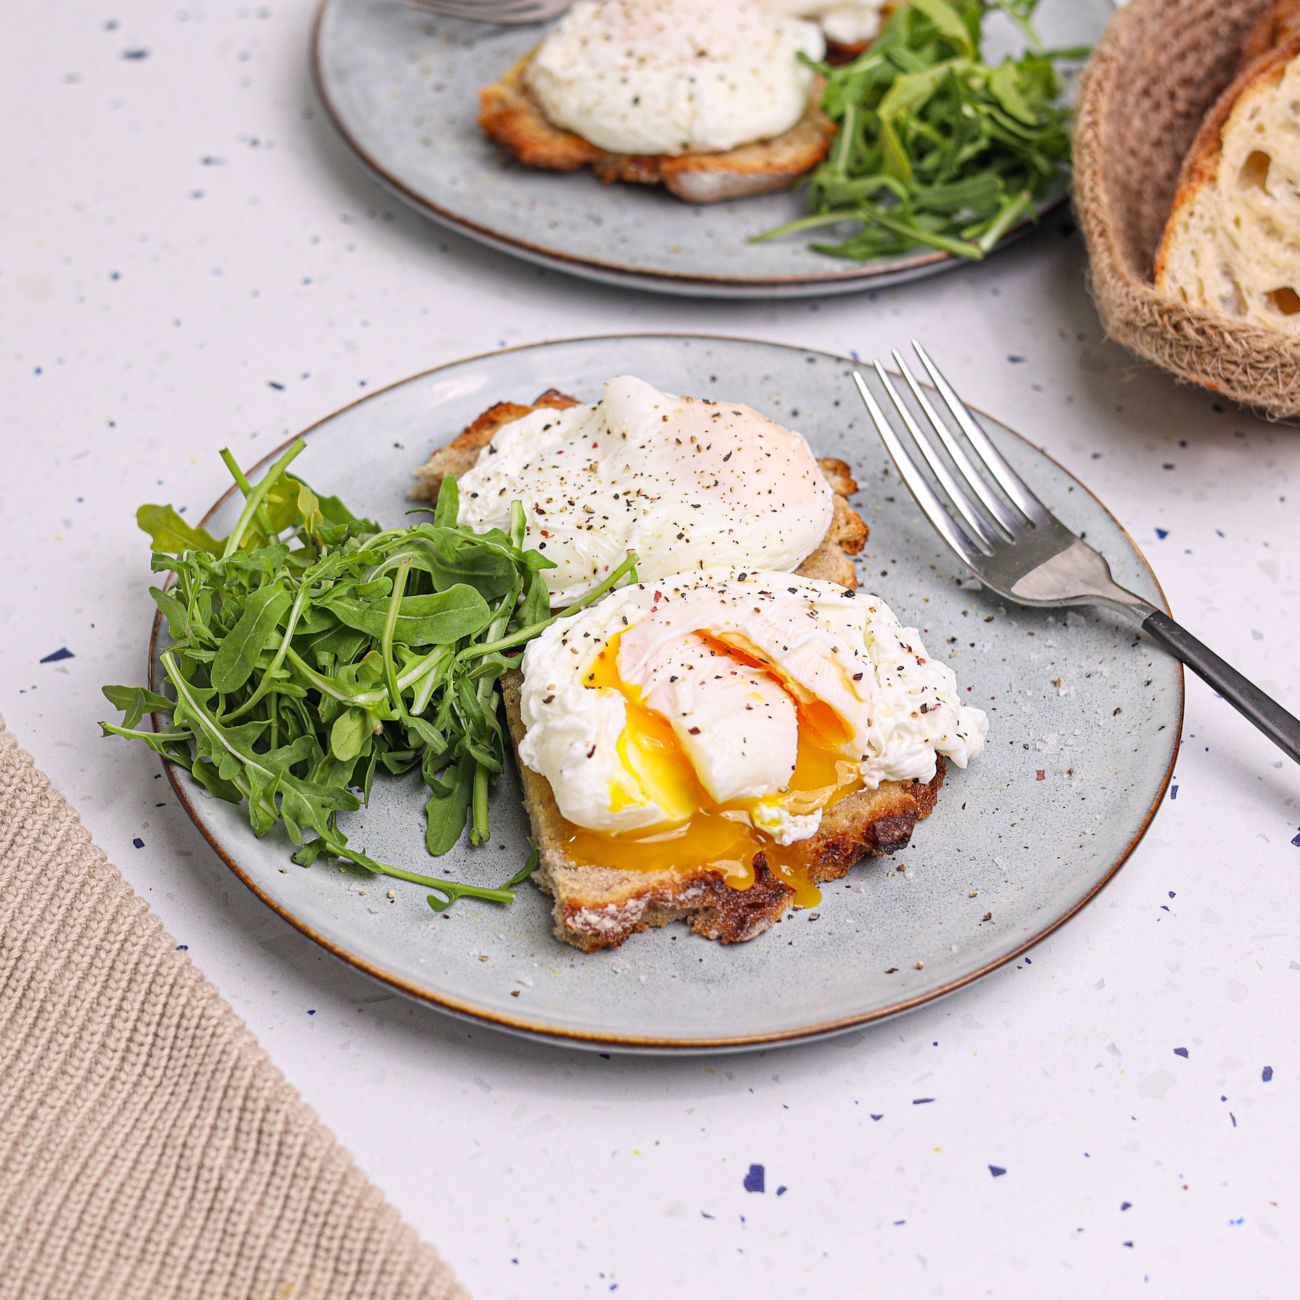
<point>138,842</point>
<point>756,1179</point>
<point>1181,1051</point>
<point>1296,841</point>
<point>57,656</point>
<point>1162,533</point>
<point>921,1101</point>
<point>997,1170</point>
<point>1267,1074</point>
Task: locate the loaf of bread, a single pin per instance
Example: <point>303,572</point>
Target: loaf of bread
<point>1232,242</point>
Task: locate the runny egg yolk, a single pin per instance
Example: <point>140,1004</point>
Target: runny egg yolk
<point>704,833</point>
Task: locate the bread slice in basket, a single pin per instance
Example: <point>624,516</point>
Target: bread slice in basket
<point>599,907</point>
<point>512,117</point>
<point>1232,242</point>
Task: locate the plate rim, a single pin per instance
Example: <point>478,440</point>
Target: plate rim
<point>830,281</point>
<point>579,1038</point>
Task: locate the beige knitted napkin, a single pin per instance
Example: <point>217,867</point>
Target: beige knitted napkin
<point>148,1146</point>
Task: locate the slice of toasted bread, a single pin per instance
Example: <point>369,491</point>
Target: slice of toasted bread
<point>845,537</point>
<point>1232,241</point>
<point>598,907</point>
<point>839,53</point>
<point>512,117</point>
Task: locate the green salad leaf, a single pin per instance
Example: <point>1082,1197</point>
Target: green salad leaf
<point>937,148</point>
<point>310,649</point>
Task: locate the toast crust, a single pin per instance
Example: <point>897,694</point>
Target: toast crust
<point>1278,24</point>
<point>510,116</point>
<point>600,907</point>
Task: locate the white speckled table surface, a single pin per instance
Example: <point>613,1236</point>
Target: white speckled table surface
<point>190,260</point>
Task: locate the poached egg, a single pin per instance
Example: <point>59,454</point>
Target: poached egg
<point>684,482</point>
<point>705,717</point>
<point>848,22</point>
<point>674,76</point>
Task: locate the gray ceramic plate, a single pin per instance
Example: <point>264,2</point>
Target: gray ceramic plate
<point>1084,727</point>
<point>402,88</point>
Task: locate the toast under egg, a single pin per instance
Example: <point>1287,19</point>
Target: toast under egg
<point>1232,242</point>
<point>510,115</point>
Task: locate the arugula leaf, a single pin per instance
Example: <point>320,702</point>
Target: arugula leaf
<point>448,804</point>
<point>530,865</point>
<point>447,507</point>
<point>348,736</point>
<point>1004,86</point>
<point>135,702</point>
<point>170,533</point>
<point>239,651</point>
<point>436,619</point>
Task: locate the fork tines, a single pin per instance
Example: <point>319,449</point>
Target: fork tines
<point>976,516</point>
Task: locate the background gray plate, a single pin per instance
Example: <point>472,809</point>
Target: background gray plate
<point>402,87</point>
<point>1084,728</point>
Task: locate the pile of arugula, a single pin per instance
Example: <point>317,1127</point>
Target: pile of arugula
<point>310,649</point>
<point>936,148</point>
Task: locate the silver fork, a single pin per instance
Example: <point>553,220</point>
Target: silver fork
<point>506,13</point>
<point>1013,544</point>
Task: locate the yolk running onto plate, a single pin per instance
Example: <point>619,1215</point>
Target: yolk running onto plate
<point>703,833</point>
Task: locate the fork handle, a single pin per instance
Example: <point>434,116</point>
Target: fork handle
<point>1267,714</point>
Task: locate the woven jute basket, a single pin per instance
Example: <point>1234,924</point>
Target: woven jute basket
<point>1159,67</point>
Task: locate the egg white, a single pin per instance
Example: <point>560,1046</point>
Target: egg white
<point>685,483</point>
<point>674,76</point>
